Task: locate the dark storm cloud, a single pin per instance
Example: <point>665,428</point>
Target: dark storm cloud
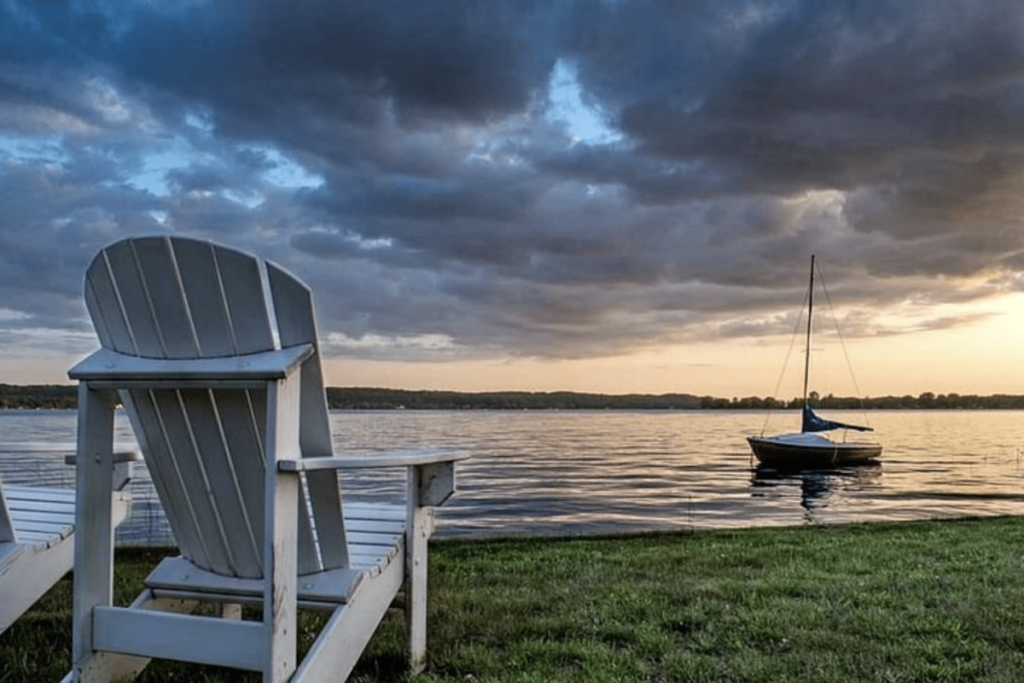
<point>912,106</point>
<point>326,76</point>
<point>406,159</point>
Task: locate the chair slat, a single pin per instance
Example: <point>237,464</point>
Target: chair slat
<point>370,538</point>
<point>353,526</point>
<point>379,511</point>
<point>243,421</point>
<point>242,287</point>
<point>371,556</point>
<point>40,538</point>
<point>62,529</point>
<point>191,465</point>
<point>201,283</point>
<point>243,418</point>
<point>104,304</point>
<point>42,516</point>
<point>159,271</point>
<point>42,505</point>
<point>232,457</point>
<point>135,301</point>
<point>19,493</point>
<point>147,423</point>
<point>296,323</point>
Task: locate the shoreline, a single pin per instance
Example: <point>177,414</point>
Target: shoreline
<point>375,398</point>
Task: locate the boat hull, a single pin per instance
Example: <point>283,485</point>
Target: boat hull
<point>811,450</point>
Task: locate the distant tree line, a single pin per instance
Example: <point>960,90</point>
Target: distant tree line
<point>38,396</point>
<point>368,398</point>
<point>383,399</point>
<point>925,401</point>
<point>374,399</point>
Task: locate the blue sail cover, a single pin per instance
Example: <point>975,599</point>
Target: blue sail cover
<point>815,423</point>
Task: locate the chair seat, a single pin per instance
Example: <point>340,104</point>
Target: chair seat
<point>376,534</point>
<point>41,515</point>
<point>176,577</point>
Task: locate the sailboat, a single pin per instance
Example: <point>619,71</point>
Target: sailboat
<point>811,447</point>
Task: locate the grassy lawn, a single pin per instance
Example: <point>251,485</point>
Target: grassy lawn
<point>915,601</point>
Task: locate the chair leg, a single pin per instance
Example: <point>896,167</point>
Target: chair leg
<point>416,603</point>
<point>346,634</point>
<point>420,526</point>
<point>280,544</point>
<point>94,541</point>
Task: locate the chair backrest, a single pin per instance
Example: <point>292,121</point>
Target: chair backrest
<point>180,298</point>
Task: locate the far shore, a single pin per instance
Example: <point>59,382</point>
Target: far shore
<point>60,396</point>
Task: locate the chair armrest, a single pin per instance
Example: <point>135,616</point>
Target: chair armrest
<point>121,472</point>
<point>121,460</point>
<point>122,454</point>
<point>119,456</point>
<point>432,483</point>
<point>410,458</point>
<point>117,368</point>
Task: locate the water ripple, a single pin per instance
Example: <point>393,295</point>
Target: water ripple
<point>564,472</point>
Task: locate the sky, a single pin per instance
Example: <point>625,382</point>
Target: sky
<point>617,196</point>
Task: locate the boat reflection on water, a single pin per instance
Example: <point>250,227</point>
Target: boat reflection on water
<point>818,487</point>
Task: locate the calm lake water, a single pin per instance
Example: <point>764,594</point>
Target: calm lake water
<point>569,472</point>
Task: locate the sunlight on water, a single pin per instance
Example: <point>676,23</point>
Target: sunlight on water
<point>557,472</point>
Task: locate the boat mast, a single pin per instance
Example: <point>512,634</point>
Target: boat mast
<point>810,310</point>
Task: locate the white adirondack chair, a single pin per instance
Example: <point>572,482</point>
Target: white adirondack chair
<point>37,525</point>
<point>233,427</point>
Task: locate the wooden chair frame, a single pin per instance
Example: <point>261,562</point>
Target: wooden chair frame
<point>115,643</point>
<point>37,529</point>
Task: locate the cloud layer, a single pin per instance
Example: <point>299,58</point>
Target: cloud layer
<point>420,165</point>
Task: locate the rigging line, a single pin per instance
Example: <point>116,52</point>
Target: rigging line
<point>810,317</point>
<point>842,344</point>
<point>785,363</point>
